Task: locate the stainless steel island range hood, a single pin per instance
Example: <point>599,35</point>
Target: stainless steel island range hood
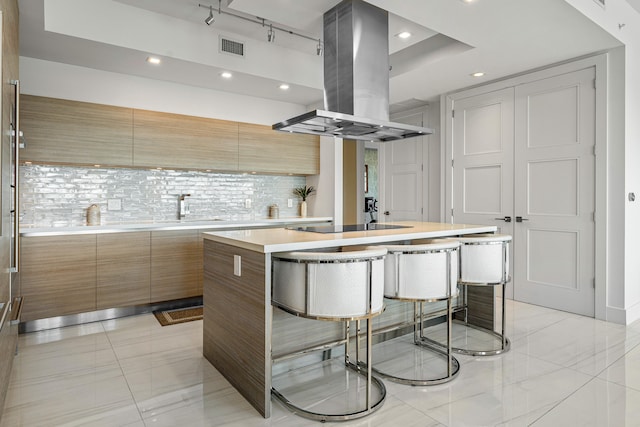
<point>356,79</point>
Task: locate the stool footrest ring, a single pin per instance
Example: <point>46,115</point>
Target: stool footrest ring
<point>455,369</point>
<point>316,416</point>
<point>506,344</point>
<point>474,352</point>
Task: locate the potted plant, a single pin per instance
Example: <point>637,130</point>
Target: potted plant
<point>303,193</point>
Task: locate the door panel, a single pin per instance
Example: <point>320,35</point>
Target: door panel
<point>481,135</point>
<point>406,183</point>
<point>553,187</point>
<point>555,179</point>
<point>403,177</point>
<point>483,159</point>
<point>553,256</point>
<point>476,199</point>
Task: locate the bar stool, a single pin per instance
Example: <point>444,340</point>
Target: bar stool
<point>424,273</point>
<point>484,261</point>
<point>333,286</point>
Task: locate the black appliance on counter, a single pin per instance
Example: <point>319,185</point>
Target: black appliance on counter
<point>371,207</point>
<point>347,228</point>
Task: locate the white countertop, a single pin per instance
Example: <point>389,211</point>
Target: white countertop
<point>283,239</point>
<point>171,225</point>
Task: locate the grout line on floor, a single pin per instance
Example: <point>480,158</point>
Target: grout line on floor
<point>123,374</point>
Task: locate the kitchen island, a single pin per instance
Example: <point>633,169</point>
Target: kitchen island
<point>241,330</point>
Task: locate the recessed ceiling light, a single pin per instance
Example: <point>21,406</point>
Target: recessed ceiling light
<point>284,86</point>
<point>226,75</point>
<point>404,35</point>
<point>478,74</point>
<point>153,60</point>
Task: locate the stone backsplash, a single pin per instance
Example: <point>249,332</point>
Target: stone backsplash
<point>58,196</point>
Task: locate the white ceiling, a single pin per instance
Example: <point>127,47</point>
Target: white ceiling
<point>506,37</point>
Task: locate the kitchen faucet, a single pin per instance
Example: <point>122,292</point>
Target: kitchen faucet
<point>183,210</point>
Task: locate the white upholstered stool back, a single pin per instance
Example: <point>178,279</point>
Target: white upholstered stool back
<point>329,285</point>
<point>421,271</point>
<point>484,258</point>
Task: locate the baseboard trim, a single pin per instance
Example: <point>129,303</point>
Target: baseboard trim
<point>632,314</point>
<point>106,314</point>
<point>617,315</point>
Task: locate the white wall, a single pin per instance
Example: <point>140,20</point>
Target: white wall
<point>56,80</point>
<point>327,201</point>
<point>623,22</point>
<point>432,174</point>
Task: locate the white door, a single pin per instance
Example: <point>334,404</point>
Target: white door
<point>402,199</point>
<point>555,186</point>
<point>483,161</point>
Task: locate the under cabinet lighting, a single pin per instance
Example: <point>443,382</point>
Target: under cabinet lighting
<point>226,75</point>
<point>153,60</point>
<point>478,74</point>
<point>284,86</point>
<point>404,35</point>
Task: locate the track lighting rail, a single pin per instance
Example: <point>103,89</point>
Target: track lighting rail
<point>259,21</point>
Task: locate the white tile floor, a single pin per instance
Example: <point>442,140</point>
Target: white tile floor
<point>562,370</point>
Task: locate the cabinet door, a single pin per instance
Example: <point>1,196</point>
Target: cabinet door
<point>58,275</point>
<point>265,150</point>
<point>71,132</point>
<point>176,264</point>
<point>177,141</point>
<point>124,276</point>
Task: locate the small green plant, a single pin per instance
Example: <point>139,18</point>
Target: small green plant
<point>303,192</point>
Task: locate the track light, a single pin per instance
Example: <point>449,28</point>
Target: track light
<point>209,19</point>
<point>319,48</point>
<point>271,35</point>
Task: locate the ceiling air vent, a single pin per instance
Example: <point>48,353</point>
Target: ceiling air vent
<point>231,46</point>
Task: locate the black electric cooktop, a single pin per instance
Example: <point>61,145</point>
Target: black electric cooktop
<point>347,228</point>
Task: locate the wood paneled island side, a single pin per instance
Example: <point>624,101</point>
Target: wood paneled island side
<point>238,317</point>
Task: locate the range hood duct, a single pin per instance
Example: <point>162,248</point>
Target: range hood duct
<point>356,79</point>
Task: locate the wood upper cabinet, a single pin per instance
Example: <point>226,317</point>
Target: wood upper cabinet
<point>265,150</point>
<point>72,132</point>
<point>58,275</point>
<point>176,264</point>
<point>178,141</point>
<point>123,269</point>
<point>59,131</point>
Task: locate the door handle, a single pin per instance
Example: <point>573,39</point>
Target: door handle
<point>16,178</point>
<point>520,219</point>
<point>505,219</point>
<point>387,213</point>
